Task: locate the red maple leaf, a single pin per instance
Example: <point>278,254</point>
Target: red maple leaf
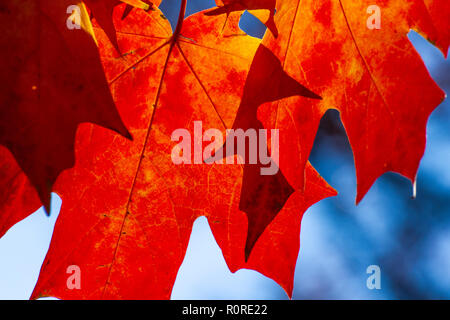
<point>144,227</point>
<point>374,77</point>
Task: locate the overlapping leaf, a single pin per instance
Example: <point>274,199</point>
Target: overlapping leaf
<point>52,80</point>
<point>264,10</point>
<point>102,11</point>
<point>266,82</point>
